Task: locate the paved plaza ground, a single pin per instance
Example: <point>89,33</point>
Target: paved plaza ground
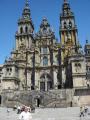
<point>47,114</point>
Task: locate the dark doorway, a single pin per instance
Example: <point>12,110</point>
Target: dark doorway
<point>49,85</point>
<point>32,87</point>
<point>38,102</point>
<point>42,86</point>
<point>0,99</point>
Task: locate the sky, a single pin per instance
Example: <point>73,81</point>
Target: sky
<point>11,11</point>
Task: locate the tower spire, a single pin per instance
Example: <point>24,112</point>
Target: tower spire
<point>26,11</point>
<point>27,3</point>
<point>66,8</point>
<point>68,29</point>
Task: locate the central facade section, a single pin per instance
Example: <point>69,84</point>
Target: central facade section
<point>34,63</point>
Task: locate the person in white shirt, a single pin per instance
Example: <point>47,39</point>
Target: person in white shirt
<point>25,115</point>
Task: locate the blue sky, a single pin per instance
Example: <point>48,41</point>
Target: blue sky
<point>11,10</point>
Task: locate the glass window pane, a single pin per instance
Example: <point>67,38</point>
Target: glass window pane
<point>45,61</point>
<point>44,50</point>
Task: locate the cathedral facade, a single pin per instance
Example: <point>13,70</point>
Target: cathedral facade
<point>40,63</point>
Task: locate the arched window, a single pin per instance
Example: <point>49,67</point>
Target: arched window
<point>57,60</point>
<point>7,69</point>
<point>77,67</point>
<point>21,30</point>
<point>65,25</point>
<point>70,24</point>
<point>45,50</point>
<point>45,61</point>
<point>10,69</point>
<point>26,29</point>
<point>42,86</point>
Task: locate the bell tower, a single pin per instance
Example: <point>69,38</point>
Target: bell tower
<point>68,31</point>
<point>24,34</point>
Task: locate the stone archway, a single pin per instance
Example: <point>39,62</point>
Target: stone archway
<point>45,82</point>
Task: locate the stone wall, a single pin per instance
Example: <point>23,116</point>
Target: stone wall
<point>81,97</point>
<point>51,98</point>
<point>37,98</point>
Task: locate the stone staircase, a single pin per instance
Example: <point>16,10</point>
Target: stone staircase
<point>47,99</point>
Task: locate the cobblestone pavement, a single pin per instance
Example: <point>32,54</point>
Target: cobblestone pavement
<point>46,114</point>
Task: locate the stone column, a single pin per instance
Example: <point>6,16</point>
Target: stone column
<point>45,83</point>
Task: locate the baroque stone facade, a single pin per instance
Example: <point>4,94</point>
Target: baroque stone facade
<point>40,63</point>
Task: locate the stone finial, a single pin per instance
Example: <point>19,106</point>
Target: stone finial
<point>65,1</point>
<point>27,3</point>
<point>86,41</point>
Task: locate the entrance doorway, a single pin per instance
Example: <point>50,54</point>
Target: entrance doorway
<point>49,85</point>
<point>0,99</point>
<point>42,86</point>
<point>38,102</point>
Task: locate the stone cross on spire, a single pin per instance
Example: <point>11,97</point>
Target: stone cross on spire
<point>26,10</point>
<point>65,1</point>
<point>27,3</point>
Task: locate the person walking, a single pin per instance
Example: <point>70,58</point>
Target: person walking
<point>86,109</point>
<point>81,111</point>
<point>25,115</point>
<point>18,110</point>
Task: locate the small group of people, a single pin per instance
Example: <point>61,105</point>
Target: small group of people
<point>83,111</point>
<point>21,108</point>
<point>25,113</point>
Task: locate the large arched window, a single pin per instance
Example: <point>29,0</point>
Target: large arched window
<point>21,30</point>
<point>45,61</point>
<point>70,24</point>
<point>65,25</point>
<point>44,50</point>
<point>57,61</point>
<point>26,29</point>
